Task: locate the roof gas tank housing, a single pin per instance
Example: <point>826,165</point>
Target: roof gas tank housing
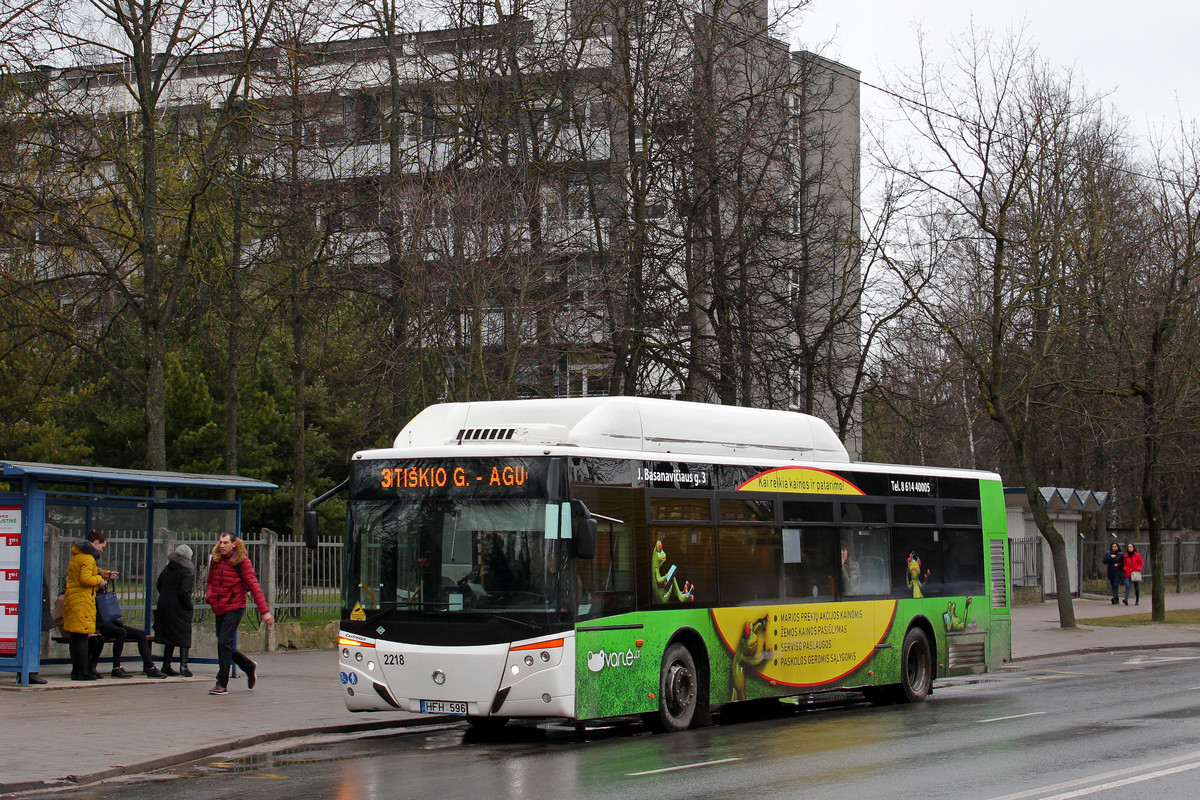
<point>628,423</point>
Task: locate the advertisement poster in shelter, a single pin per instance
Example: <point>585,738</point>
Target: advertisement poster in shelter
<point>10,577</point>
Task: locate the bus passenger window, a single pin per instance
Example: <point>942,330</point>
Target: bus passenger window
<point>748,565</point>
<point>810,563</point>
<point>672,509</point>
<point>683,564</point>
<point>807,511</point>
<point>961,515</point>
<point>867,550</point>
<point>853,513</point>
<point>754,510</point>
<point>917,567</point>
<point>962,557</point>
<point>606,584</point>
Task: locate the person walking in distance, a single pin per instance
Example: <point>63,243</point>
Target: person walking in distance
<point>173,614</point>
<point>1133,573</point>
<point>230,577</point>
<point>1114,559</point>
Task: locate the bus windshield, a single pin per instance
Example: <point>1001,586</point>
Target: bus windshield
<point>452,548</point>
<point>446,555</point>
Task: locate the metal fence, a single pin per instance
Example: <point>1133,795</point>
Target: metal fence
<point>1181,563</point>
<point>1026,562</point>
<point>299,584</point>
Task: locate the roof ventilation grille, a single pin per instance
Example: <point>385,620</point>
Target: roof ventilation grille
<point>531,433</point>
<point>486,434</point>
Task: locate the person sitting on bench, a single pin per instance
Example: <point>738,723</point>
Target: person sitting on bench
<point>119,632</point>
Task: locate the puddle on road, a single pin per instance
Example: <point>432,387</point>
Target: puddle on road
<point>258,762</point>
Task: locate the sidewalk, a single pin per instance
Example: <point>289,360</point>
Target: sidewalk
<point>1036,633</point>
<point>66,733</point>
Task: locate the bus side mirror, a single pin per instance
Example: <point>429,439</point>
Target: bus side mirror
<point>584,531</point>
<point>311,525</point>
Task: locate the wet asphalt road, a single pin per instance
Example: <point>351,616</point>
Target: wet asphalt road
<point>1115,725</point>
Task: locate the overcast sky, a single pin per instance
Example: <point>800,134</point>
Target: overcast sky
<point>1143,52</point>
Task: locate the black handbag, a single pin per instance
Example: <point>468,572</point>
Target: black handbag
<point>108,607</point>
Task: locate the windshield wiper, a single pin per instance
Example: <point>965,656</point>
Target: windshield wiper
<point>530,625</point>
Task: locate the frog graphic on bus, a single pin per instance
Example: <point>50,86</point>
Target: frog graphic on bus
<point>666,585</point>
<point>954,622</point>
<point>751,653</point>
<point>913,578</point>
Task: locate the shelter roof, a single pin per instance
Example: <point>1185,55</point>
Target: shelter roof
<point>1059,498</point>
<point>129,477</point>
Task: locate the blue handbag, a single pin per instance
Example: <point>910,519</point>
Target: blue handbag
<point>108,608</point>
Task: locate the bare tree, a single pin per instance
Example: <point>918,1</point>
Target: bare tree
<point>1147,331</point>
<point>1002,151</point>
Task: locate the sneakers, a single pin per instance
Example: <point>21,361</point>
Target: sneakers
<point>170,673</point>
<point>218,689</point>
<point>185,672</point>
<point>154,672</point>
<point>252,675</point>
<point>119,672</point>
<point>1126,601</point>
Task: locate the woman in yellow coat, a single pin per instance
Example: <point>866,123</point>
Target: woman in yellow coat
<point>79,602</point>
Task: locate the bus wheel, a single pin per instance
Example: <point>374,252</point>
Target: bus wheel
<point>916,667</point>
<point>678,691</point>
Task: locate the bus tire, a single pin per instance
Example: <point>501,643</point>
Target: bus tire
<point>678,691</point>
<point>916,667</point>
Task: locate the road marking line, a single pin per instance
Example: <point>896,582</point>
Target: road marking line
<point>1106,776</point>
<point>682,766</point>
<point>1160,659</point>
<point>1014,716</point>
<point>1103,787</point>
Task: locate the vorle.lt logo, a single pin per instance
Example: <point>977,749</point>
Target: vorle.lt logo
<point>598,660</point>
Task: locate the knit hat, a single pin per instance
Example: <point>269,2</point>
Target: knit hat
<point>184,551</point>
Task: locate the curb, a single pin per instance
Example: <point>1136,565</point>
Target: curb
<point>1111,648</point>
<point>225,747</point>
<point>107,683</point>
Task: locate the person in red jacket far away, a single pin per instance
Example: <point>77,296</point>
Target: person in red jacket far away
<point>1133,573</point>
<point>230,577</point>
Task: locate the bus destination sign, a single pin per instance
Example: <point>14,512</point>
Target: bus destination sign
<point>489,474</point>
<point>492,477</point>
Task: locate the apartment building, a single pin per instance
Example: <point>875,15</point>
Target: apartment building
<point>658,199</point>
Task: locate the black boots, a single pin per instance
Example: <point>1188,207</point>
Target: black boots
<point>168,654</point>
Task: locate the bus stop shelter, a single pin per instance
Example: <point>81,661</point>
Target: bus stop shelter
<point>45,508</point>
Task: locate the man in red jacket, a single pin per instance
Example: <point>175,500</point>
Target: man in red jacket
<point>230,576</point>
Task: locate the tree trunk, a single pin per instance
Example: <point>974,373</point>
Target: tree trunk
<point>233,342</point>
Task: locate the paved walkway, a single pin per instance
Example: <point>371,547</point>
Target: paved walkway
<point>1036,632</point>
<point>66,733</point>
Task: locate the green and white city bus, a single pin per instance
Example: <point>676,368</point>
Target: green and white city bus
<point>600,557</point>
